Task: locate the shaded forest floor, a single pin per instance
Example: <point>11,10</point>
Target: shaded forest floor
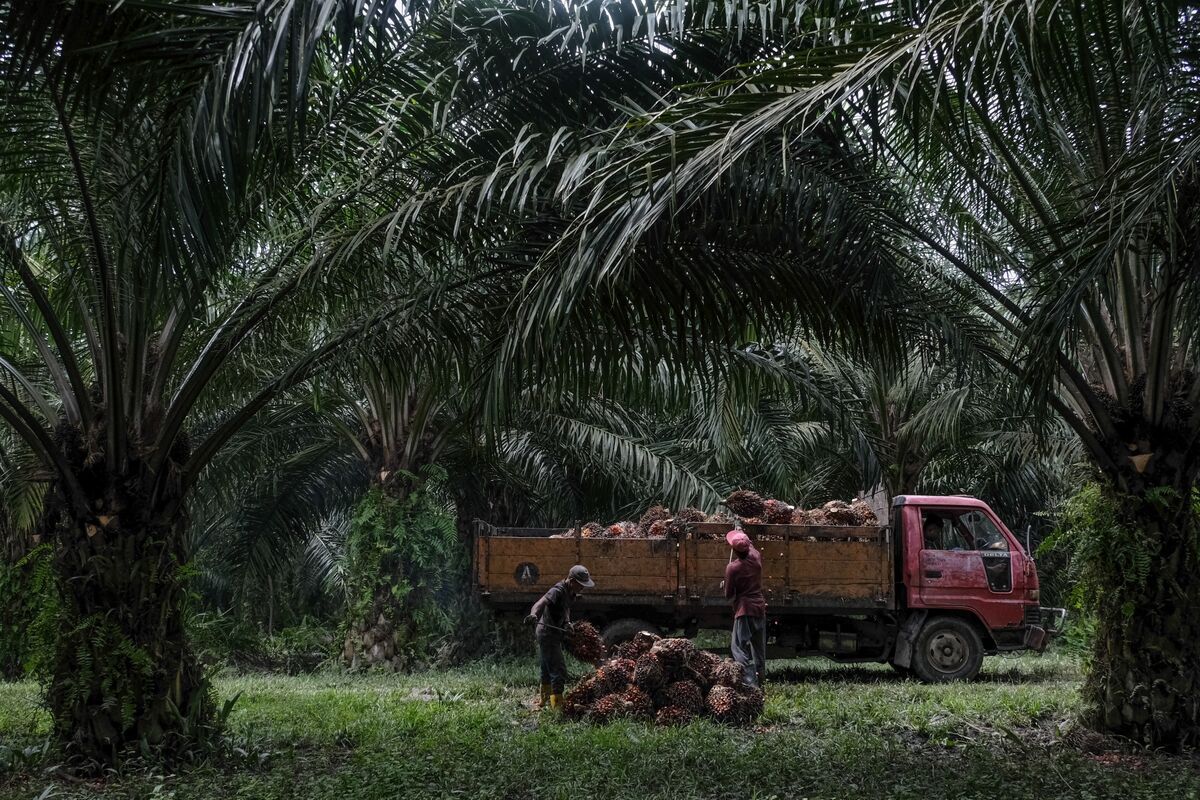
<point>829,731</point>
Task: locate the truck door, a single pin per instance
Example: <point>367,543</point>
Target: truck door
<point>968,563</point>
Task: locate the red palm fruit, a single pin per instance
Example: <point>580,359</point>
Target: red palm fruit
<point>745,503</point>
<point>670,716</point>
<point>777,512</point>
<point>686,695</point>
<point>648,673</point>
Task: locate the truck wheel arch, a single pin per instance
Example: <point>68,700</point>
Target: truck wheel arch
<point>625,628</point>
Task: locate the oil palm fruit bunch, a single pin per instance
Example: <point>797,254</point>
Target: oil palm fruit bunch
<point>610,678</point>
<point>720,703</point>
<point>635,704</point>
<point>802,517</point>
<point>673,653</point>
<point>593,530</point>
<point>585,643</point>
<point>643,641</point>
<point>745,503</point>
<point>864,513</point>
<point>703,666</point>
<point>659,529</point>
<point>605,709</point>
<point>728,673</point>
<point>685,695</point>
<point>838,512</point>
<point>777,512</point>
<point>750,704</point>
<point>682,521</point>
<point>652,515</point>
<point>648,673</point>
<point>578,701</point>
<point>671,716</point>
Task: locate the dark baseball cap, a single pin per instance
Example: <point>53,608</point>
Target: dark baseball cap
<point>580,574</point>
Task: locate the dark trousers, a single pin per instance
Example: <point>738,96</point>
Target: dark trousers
<point>749,646</point>
<point>554,666</point>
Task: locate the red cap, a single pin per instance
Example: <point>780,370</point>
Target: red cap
<point>739,541</point>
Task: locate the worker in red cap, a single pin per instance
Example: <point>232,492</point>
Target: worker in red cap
<point>743,587</point>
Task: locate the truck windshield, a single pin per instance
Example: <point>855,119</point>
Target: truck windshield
<point>959,529</point>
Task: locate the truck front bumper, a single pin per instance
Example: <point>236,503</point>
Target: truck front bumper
<point>1037,637</point>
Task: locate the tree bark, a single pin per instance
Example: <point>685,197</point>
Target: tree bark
<point>1145,678</point>
<point>123,677</point>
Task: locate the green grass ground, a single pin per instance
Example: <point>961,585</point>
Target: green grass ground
<point>828,732</point>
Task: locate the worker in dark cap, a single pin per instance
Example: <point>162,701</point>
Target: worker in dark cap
<point>743,587</point>
<point>552,613</point>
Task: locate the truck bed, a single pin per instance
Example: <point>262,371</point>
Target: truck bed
<point>805,569</point>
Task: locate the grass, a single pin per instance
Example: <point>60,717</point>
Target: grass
<point>829,731</point>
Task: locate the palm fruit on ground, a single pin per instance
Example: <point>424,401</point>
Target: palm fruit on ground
<point>577,701</point>
<point>648,673</point>
<point>652,515</point>
<point>673,653</point>
<point>777,512</point>
<point>643,641</point>
<point>685,695</point>
<point>669,716</point>
<point>635,704</point>
<point>585,643</point>
<point>745,503</point>
<point>611,677</point>
<point>605,709</point>
<point>749,705</point>
<point>626,650</point>
<point>728,673</point>
<point>702,666</point>
<point>721,702</point>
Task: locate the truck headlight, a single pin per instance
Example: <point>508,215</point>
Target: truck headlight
<point>1035,594</point>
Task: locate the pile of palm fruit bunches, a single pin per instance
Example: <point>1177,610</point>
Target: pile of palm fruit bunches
<point>750,508</point>
<point>665,681</point>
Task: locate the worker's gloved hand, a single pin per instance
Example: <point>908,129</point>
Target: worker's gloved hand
<point>530,619</point>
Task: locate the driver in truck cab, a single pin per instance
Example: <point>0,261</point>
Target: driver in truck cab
<point>552,613</point>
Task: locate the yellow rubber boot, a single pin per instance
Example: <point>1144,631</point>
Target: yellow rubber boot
<point>545,696</point>
<point>556,701</point>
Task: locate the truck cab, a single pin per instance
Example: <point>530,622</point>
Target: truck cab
<point>964,582</point>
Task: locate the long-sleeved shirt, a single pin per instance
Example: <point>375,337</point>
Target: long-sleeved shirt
<point>553,611</point>
<point>743,585</point>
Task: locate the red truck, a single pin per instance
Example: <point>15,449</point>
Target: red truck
<point>933,593</point>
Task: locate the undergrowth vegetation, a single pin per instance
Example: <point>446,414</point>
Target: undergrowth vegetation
<point>828,731</point>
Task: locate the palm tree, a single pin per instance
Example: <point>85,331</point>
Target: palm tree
<point>171,207</point>
<point>1035,159</point>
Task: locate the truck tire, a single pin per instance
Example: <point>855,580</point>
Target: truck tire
<point>622,630</point>
<point>948,649</point>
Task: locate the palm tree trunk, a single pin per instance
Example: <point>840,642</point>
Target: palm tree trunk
<point>1145,680</point>
<point>123,676</point>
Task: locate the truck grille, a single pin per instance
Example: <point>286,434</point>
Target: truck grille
<point>1033,615</point>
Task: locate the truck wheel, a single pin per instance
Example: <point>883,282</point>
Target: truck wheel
<point>622,630</point>
<point>948,649</point>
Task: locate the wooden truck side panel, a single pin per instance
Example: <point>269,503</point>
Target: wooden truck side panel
<point>512,569</point>
<point>803,568</point>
